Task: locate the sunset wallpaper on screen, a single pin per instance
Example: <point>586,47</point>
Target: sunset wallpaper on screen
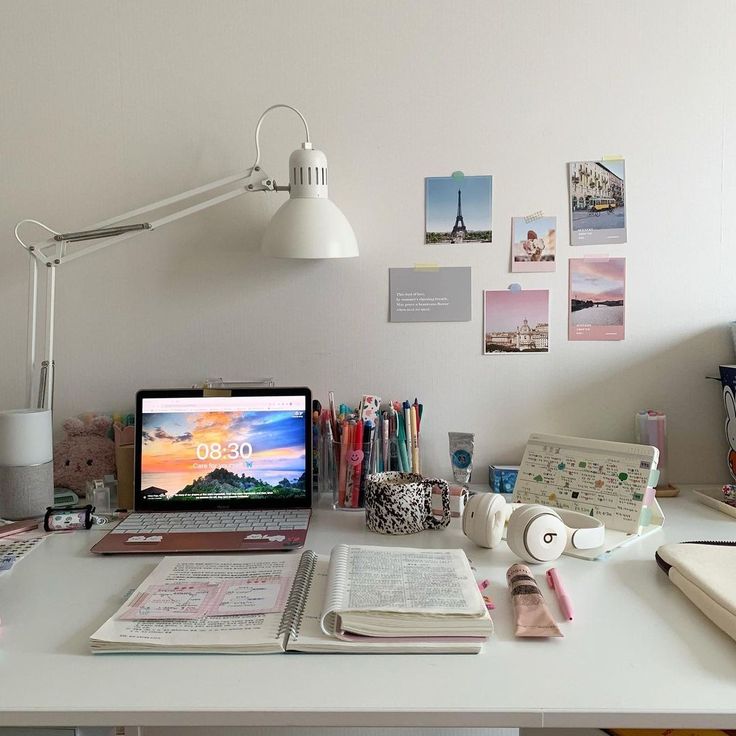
<point>210,455</point>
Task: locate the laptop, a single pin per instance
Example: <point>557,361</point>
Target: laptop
<point>218,471</point>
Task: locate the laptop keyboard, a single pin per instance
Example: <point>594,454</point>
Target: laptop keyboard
<point>171,522</point>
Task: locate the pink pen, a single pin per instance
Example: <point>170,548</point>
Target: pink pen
<point>563,599</point>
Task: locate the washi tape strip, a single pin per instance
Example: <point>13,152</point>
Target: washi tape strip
<point>538,215</point>
<point>369,407</point>
<point>426,267</point>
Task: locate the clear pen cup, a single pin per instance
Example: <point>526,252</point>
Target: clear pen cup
<point>345,471</point>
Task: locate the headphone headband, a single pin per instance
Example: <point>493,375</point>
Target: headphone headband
<point>584,532</point>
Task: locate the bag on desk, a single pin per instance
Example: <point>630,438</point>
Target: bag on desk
<point>706,573</point>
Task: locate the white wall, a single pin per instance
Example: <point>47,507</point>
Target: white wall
<point>108,105</point>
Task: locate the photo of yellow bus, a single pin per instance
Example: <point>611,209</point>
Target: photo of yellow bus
<point>598,204</point>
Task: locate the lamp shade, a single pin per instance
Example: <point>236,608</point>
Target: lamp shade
<point>309,228</point>
<point>25,437</point>
<point>309,225</point>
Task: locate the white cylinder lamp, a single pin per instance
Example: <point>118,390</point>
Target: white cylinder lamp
<point>308,224</point>
<point>26,463</point>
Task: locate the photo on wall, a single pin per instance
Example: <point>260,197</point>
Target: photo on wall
<point>596,303</point>
<point>597,202</point>
<point>516,321</point>
<point>533,244</point>
<point>458,210</point>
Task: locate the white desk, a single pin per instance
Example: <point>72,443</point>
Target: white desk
<point>638,653</point>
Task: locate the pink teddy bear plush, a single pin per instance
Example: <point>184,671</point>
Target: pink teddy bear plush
<point>87,453</point>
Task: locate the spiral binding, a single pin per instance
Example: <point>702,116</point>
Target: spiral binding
<point>294,611</point>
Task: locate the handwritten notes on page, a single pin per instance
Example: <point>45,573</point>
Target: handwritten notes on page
<point>607,480</point>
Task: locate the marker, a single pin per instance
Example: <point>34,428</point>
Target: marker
<point>342,476</point>
<point>414,440</point>
<point>333,411</point>
<point>357,469</point>
<point>563,599</point>
<point>407,438</point>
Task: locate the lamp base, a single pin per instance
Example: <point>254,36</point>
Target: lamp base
<point>26,490</point>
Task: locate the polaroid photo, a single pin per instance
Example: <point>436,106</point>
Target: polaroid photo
<point>596,303</point>
<point>597,202</point>
<point>516,321</point>
<point>533,244</point>
<point>458,210</point>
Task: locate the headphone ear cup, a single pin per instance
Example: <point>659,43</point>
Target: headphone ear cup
<point>536,534</point>
<point>484,518</point>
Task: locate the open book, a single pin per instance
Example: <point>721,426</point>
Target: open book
<point>359,599</point>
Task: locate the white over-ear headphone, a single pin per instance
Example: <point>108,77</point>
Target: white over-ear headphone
<point>535,533</point>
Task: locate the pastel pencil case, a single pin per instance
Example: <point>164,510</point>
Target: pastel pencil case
<point>706,573</point>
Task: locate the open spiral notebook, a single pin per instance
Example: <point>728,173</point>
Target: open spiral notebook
<point>357,599</point>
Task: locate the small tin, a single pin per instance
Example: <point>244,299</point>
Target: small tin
<point>63,519</point>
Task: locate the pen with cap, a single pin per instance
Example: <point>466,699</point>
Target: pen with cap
<point>414,439</point>
<point>563,599</point>
<point>401,434</point>
<point>407,436</point>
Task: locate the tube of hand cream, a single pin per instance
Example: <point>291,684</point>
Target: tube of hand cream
<point>530,611</point>
<point>461,456</point>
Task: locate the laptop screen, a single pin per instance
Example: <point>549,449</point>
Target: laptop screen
<point>249,449</point>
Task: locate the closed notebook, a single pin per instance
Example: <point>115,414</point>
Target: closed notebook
<point>706,573</point>
<point>359,599</point>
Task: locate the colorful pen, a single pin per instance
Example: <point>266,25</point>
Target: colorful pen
<point>333,411</point>
<point>357,467</point>
<point>414,440</point>
<point>407,437</point>
<point>563,599</point>
<point>386,465</point>
<point>342,477</point>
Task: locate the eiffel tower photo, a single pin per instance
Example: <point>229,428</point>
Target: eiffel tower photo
<point>469,198</point>
<point>459,230</point>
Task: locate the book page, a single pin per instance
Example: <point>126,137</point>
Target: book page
<point>311,638</point>
<point>222,628</point>
<point>401,580</point>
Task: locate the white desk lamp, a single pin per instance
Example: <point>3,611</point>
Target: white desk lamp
<point>307,225</point>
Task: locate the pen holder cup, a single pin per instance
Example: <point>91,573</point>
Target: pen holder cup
<point>345,474</point>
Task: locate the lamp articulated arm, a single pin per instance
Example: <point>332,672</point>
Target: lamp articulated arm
<point>53,252</point>
<point>312,232</point>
